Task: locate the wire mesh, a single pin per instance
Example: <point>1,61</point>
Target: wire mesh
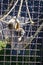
<point>17,53</point>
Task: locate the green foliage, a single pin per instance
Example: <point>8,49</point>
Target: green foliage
<point>2,45</point>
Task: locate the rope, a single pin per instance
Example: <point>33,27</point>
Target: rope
<point>31,38</point>
<point>20,8</point>
<point>28,12</point>
<point>9,12</point>
<point>9,7</point>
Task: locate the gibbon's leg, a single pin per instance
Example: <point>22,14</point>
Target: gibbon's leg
<point>22,33</point>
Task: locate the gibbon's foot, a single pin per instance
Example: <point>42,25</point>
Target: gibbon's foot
<point>19,39</point>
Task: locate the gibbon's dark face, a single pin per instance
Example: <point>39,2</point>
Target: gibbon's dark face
<point>10,25</point>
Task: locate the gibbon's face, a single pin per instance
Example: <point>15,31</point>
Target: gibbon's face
<point>10,25</point>
<point>13,25</point>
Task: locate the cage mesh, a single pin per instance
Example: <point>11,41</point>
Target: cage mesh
<point>32,53</point>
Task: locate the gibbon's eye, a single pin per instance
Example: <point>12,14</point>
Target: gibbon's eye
<point>10,26</point>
